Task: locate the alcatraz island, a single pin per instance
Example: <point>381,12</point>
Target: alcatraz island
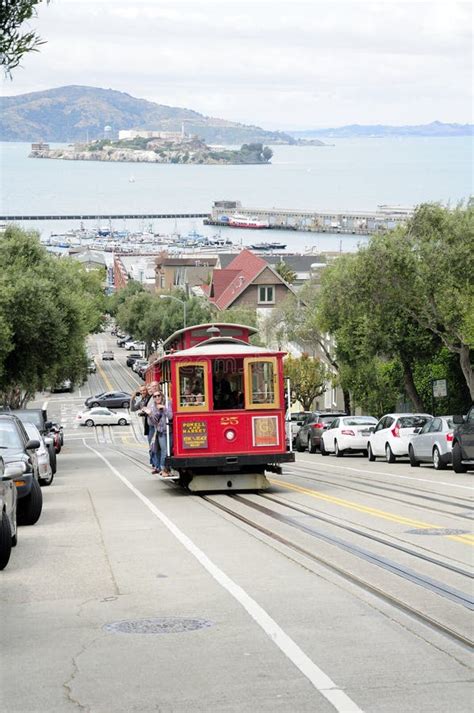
<point>158,147</point>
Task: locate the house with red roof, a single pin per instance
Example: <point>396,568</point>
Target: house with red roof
<point>247,281</point>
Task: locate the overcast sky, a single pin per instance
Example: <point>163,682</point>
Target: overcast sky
<point>292,64</point>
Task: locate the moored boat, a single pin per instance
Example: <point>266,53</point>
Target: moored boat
<point>243,221</point>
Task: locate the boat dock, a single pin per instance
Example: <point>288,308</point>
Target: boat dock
<point>355,223</point>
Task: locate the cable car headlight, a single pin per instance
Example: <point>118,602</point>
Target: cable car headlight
<point>230,434</point>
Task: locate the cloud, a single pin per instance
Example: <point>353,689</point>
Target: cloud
<point>264,61</point>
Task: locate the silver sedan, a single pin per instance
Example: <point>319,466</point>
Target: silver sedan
<point>433,443</point>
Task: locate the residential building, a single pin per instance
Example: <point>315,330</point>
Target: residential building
<point>187,273</point>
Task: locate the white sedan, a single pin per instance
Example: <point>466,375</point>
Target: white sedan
<point>347,434</point>
<point>101,416</point>
<point>45,472</point>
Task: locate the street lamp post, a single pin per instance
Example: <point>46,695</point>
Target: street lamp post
<point>176,299</point>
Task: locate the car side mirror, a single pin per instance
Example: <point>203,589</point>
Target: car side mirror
<point>371,429</point>
<point>416,430</point>
<point>458,418</point>
<point>13,470</point>
<point>32,445</point>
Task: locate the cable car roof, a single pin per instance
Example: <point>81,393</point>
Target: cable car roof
<point>219,348</point>
<point>175,335</point>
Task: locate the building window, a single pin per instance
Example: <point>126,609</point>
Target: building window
<point>266,294</point>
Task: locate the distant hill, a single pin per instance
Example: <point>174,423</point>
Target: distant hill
<point>76,113</point>
<point>436,128</point>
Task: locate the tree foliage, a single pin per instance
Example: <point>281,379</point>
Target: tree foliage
<point>48,307</point>
<point>14,41</point>
<point>308,378</point>
<point>285,272</point>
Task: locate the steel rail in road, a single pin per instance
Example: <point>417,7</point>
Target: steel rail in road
<point>438,626</point>
<point>108,216</point>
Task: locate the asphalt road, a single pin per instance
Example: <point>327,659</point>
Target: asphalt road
<point>345,587</point>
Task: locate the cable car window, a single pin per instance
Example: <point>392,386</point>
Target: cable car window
<point>261,384</point>
<point>227,383</point>
<point>192,386</point>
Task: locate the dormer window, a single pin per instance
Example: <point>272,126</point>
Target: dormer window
<point>266,294</point>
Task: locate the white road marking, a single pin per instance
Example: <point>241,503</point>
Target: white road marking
<point>320,680</point>
<point>394,475</point>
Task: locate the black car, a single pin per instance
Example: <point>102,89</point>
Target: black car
<point>463,442</point>
<point>111,399</point>
<point>309,435</point>
<point>131,358</point>
<point>18,451</point>
<point>39,418</point>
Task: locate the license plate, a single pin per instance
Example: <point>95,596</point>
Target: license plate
<point>364,433</point>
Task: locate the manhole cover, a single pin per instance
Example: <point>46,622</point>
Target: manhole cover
<point>165,625</point>
<point>437,531</point>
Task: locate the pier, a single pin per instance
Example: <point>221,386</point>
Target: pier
<point>352,222</point>
<point>102,216</point>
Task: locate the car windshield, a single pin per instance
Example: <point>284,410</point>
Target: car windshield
<point>9,437</point>
<point>360,421</point>
<point>299,416</point>
<point>412,421</point>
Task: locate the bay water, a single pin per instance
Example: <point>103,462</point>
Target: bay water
<point>354,174</point>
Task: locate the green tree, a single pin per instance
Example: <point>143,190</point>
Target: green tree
<point>285,272</point>
<point>15,42</point>
<point>308,378</point>
<point>47,309</point>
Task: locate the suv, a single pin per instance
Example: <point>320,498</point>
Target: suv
<point>309,435</point>
<point>296,421</point>
<point>18,451</point>
<point>463,442</point>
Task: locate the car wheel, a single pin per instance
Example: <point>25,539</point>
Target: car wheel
<point>122,422</point>
<point>298,445</point>
<point>312,448</point>
<point>458,465</point>
<point>53,459</point>
<point>89,422</point>
<point>389,457</point>
<point>95,404</point>
<point>46,481</point>
<point>438,462</point>
<point>322,448</point>
<point>338,452</point>
<point>126,404</point>
<point>411,454</point>
<point>370,453</point>
<point>29,508</point>
<point>5,541</point>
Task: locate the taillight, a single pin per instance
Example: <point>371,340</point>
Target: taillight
<point>449,436</point>
<point>348,432</point>
<point>395,431</point>
<point>317,425</point>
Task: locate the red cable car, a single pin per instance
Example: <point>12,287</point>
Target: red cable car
<point>228,403</point>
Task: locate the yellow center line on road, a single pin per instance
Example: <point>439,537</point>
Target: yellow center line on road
<point>105,377</point>
<point>466,539</point>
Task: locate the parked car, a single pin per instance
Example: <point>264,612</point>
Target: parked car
<point>132,344</point>
<point>309,435</point>
<point>121,340</point>
<point>19,451</point>
<point>296,421</point>
<point>463,442</point>
<point>108,355</point>
<point>101,416</point>
<point>45,472</point>
<point>8,504</point>
<point>433,443</point>
<point>392,434</point>
<point>347,434</point>
<point>132,358</point>
<point>139,363</point>
<point>65,385</point>
<point>39,417</point>
<point>110,399</point>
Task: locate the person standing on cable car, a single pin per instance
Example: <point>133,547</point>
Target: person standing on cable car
<point>161,416</point>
